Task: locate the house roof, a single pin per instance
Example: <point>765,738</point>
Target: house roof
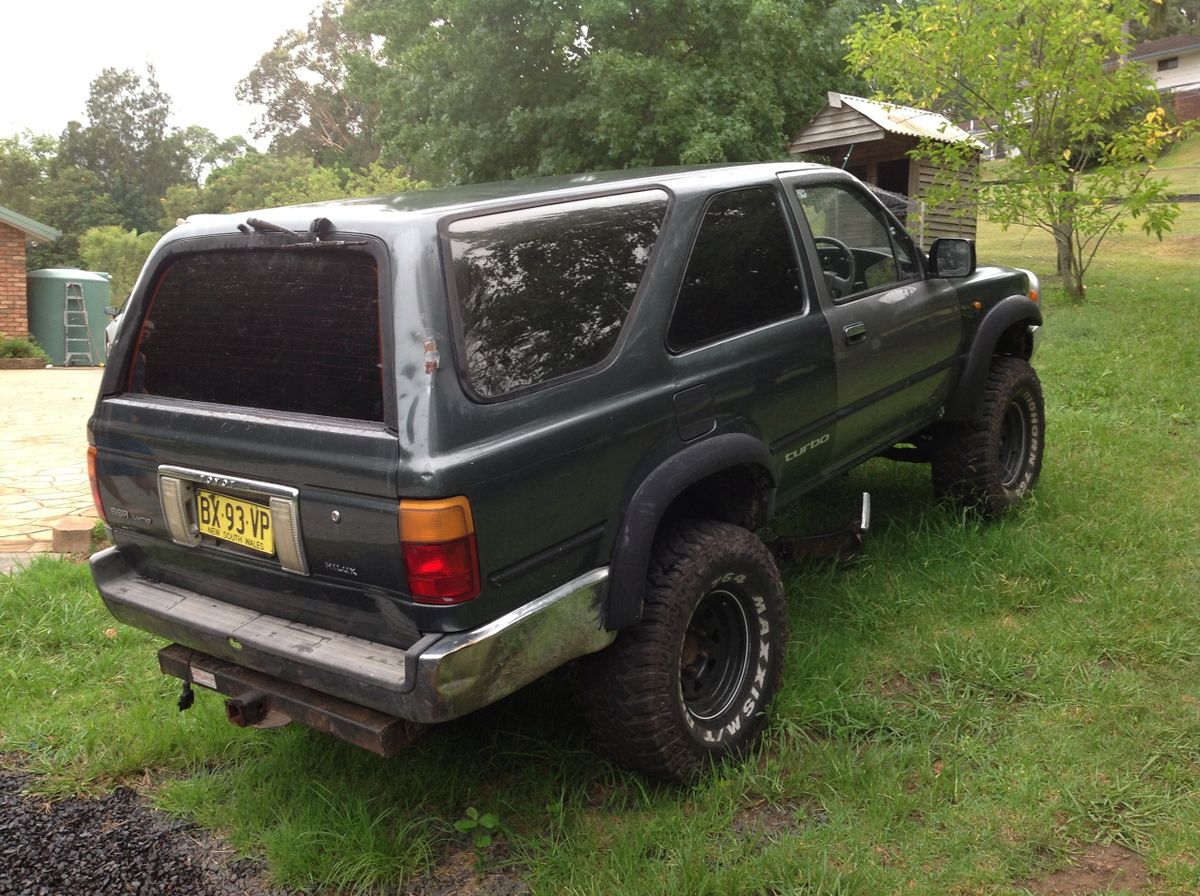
<point>1167,46</point>
<point>32,229</point>
<point>903,120</point>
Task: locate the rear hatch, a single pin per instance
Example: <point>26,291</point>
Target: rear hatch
<point>246,440</point>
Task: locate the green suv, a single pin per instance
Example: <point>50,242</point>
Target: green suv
<point>371,465</point>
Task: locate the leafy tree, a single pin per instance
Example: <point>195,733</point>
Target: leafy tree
<point>128,145</point>
<point>118,252</point>
<point>303,84</point>
<point>73,200</point>
<point>1166,18</point>
<point>24,162</point>
<point>484,89</point>
<point>1040,74</point>
<point>262,180</point>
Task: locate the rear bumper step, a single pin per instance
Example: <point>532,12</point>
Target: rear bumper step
<point>440,677</point>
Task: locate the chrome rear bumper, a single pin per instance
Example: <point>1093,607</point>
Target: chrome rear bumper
<point>440,677</point>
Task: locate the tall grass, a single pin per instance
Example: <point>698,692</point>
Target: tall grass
<point>963,709</point>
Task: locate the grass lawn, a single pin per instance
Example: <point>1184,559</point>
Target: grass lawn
<point>965,711</point>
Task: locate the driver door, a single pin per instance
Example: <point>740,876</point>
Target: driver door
<point>896,335</point>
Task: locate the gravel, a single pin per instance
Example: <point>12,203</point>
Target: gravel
<point>113,845</point>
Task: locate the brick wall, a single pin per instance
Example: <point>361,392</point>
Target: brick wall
<point>1187,105</point>
<point>14,317</point>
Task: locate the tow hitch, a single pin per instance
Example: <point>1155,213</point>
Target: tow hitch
<point>842,545</point>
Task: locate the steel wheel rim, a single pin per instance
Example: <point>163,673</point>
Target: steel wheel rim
<point>1014,443</point>
<point>715,659</point>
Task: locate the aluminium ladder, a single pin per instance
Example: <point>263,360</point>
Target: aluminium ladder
<point>77,335</point>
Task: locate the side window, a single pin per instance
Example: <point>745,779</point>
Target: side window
<point>742,272</point>
<point>859,248</point>
<point>543,292</point>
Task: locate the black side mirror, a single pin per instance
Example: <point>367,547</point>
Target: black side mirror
<point>952,258</point>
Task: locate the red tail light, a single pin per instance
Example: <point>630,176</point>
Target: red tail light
<point>438,541</point>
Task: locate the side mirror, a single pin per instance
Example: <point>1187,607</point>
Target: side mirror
<point>952,258</point>
<point>111,311</point>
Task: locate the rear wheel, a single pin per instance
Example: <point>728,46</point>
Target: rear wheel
<point>693,680</point>
<point>993,461</point>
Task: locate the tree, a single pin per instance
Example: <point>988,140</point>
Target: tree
<point>118,252</point>
<point>303,84</point>
<point>1165,18</point>
<point>261,180</point>
<point>128,145</point>
<point>485,89</point>
<point>1044,76</point>
<point>24,162</point>
<point>73,200</point>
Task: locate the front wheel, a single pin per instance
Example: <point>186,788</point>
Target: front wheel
<point>692,681</point>
<point>992,461</point>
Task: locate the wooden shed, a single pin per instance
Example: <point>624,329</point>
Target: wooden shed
<point>873,140</point>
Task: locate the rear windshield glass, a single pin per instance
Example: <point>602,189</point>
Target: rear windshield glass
<point>282,330</point>
<point>543,292</point>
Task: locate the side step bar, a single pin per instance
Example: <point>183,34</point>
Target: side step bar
<point>264,701</point>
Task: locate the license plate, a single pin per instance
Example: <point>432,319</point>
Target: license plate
<point>231,519</point>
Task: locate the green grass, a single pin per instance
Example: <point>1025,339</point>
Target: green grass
<point>963,710</point>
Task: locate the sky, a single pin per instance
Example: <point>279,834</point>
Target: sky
<point>52,49</point>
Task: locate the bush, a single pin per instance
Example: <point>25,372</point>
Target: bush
<point>13,347</point>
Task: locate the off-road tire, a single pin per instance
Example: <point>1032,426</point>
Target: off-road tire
<point>991,462</point>
<point>692,681</point>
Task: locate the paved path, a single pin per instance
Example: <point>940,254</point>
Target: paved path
<point>43,453</point>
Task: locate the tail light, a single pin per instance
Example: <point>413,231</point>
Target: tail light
<point>91,462</point>
<point>438,541</point>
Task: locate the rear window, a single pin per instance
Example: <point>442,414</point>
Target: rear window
<point>543,292</point>
<point>276,329</point>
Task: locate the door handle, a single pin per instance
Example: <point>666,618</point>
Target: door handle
<point>855,332</point>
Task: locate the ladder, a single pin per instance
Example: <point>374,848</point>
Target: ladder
<point>77,338</point>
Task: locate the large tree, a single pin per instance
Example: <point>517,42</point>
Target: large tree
<point>476,90</point>
<point>128,144</point>
<point>1044,76</point>
<point>303,85</point>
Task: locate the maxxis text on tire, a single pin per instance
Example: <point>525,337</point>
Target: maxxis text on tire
<point>993,461</point>
<point>692,681</point>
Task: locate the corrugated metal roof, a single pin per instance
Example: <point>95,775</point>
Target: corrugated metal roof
<point>904,119</point>
<point>31,228</point>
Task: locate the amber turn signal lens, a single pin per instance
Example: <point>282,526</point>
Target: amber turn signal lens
<point>91,464</point>
<point>430,522</point>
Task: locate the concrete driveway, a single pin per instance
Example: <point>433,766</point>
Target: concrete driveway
<point>43,453</point>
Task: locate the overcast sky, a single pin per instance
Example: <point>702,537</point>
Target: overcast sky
<point>52,49</point>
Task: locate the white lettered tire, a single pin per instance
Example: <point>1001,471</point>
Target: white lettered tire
<point>692,682</point>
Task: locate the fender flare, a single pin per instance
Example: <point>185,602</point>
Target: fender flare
<point>645,509</point>
<point>1006,313</point>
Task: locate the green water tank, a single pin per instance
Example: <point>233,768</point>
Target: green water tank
<point>47,292</point>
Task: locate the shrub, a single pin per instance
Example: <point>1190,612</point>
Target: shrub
<point>13,347</point>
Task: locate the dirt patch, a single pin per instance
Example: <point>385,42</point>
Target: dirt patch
<point>771,820</point>
<point>462,873</point>
<point>1096,870</point>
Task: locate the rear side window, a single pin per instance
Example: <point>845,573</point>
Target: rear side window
<point>543,292</point>
<point>276,329</point>
<point>742,272</point>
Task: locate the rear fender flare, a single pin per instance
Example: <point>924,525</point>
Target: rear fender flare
<point>1006,313</point>
<point>651,499</point>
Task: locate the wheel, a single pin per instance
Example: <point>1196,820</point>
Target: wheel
<point>993,461</point>
<point>692,681</point>
<point>839,285</point>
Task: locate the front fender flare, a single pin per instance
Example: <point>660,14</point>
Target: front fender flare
<point>1002,317</point>
<point>645,509</point>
